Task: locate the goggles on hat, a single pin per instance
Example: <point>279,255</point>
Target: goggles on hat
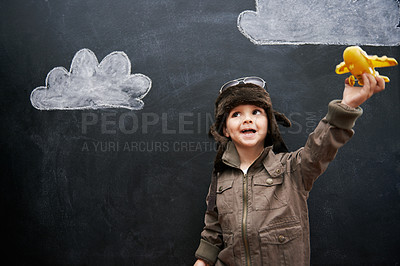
<point>247,80</point>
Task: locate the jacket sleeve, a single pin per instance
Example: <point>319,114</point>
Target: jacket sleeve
<point>332,132</point>
<point>211,237</point>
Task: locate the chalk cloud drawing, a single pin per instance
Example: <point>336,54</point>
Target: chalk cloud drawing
<point>336,22</point>
<point>90,85</point>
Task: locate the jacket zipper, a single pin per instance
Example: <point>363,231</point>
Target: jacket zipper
<point>244,221</point>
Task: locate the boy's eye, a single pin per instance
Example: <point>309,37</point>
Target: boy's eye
<point>236,114</point>
<point>256,112</point>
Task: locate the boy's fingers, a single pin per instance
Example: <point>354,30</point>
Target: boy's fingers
<point>381,84</point>
<point>372,81</point>
<point>375,84</point>
<point>366,81</point>
<point>367,84</point>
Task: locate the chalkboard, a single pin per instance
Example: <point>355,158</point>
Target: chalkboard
<point>125,184</point>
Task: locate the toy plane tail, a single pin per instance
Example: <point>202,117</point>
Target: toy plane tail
<point>386,79</point>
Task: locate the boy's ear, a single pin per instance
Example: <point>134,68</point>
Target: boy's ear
<point>226,133</point>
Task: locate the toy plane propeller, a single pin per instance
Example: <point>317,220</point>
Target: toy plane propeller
<point>358,62</point>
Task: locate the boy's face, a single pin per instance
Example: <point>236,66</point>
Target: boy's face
<point>247,126</point>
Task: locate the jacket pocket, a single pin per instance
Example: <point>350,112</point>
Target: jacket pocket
<point>268,192</point>
<point>282,244</point>
<point>225,196</point>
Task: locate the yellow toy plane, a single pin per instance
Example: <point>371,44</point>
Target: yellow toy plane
<point>358,62</point>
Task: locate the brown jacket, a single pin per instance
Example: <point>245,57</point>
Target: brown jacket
<point>261,218</point>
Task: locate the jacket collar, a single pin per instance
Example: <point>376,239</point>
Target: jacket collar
<point>231,156</point>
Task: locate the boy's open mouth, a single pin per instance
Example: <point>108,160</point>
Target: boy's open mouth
<point>248,131</point>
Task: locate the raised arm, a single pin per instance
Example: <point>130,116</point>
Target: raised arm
<point>334,130</point>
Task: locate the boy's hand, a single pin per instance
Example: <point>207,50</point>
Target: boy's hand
<point>201,263</point>
<point>355,96</point>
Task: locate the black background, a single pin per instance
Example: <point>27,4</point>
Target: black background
<point>65,203</point>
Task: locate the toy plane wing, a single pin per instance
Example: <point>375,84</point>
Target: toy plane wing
<point>383,61</point>
<point>342,68</point>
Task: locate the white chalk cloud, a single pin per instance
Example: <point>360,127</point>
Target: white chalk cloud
<point>90,85</point>
<point>336,22</point>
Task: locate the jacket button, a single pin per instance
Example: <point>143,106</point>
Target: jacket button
<point>270,181</point>
<point>278,171</point>
<point>281,238</point>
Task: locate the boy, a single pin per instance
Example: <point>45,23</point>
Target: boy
<point>257,210</point>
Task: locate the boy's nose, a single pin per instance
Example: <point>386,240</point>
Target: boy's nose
<point>247,120</point>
